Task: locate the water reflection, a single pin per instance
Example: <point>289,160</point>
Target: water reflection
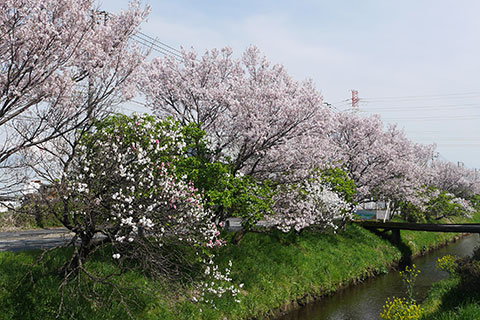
<point>365,301</point>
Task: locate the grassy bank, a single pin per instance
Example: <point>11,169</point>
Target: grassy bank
<point>447,300</point>
<point>275,269</point>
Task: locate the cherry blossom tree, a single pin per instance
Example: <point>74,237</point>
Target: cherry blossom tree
<point>453,178</point>
<point>386,165</point>
<point>383,163</point>
<point>409,166</point>
<point>256,116</point>
<point>449,190</point>
<point>121,194</point>
<point>62,63</point>
<point>270,127</point>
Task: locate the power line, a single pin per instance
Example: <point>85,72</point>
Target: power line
<point>458,144</point>
<point>152,45</point>
<point>161,43</point>
<point>459,139</point>
<point>441,157</point>
<point>139,103</point>
<point>433,96</point>
<point>434,118</point>
<point>475,105</point>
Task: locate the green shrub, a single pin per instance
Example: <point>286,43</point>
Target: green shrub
<point>338,180</point>
<point>469,272</point>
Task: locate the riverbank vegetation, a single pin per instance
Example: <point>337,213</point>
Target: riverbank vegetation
<point>147,196</point>
<point>457,297</point>
<point>449,301</point>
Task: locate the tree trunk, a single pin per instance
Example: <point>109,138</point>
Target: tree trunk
<point>79,256</point>
<point>238,236</point>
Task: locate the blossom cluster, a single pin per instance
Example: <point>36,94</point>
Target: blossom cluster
<point>465,205</point>
<point>309,203</point>
<point>217,283</point>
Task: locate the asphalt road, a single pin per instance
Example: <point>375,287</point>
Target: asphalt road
<point>49,238</point>
<point>33,239</point>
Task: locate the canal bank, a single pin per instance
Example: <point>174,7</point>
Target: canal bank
<point>365,301</point>
<point>281,276</point>
<point>414,246</point>
<point>278,271</point>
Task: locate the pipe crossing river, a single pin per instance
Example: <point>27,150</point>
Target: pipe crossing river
<point>364,301</point>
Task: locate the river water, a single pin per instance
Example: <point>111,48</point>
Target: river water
<point>365,300</point>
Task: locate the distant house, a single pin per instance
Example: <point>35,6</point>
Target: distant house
<point>30,191</point>
<point>37,191</point>
<point>7,203</point>
<point>379,210</point>
<point>32,186</point>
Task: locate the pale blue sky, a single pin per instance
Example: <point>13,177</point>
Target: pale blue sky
<point>426,53</point>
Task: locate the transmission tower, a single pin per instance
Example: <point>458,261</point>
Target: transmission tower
<point>355,101</point>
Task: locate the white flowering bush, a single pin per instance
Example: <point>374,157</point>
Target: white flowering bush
<point>311,202</point>
<point>122,185</point>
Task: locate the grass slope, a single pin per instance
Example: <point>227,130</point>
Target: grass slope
<point>448,301</point>
<point>275,270</point>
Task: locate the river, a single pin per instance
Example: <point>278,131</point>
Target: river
<point>365,300</point>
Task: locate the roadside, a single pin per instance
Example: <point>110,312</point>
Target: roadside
<point>34,239</point>
<point>30,239</point>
